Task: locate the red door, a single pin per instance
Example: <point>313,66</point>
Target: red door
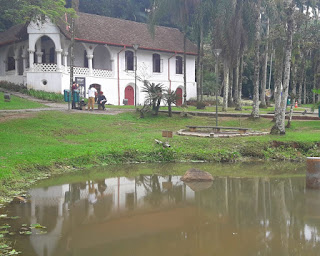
<point>129,95</point>
<point>179,96</point>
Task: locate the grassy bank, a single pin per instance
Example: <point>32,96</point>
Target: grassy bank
<point>33,146</point>
<point>18,103</point>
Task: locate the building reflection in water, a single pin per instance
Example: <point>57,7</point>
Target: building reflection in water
<point>162,215</point>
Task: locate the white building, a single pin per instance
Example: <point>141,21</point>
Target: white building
<point>38,55</point>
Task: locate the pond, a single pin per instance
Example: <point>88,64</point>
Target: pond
<point>150,214</point>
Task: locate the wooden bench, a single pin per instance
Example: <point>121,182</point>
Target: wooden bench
<point>217,129</point>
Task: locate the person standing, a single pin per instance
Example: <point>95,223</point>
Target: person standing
<point>73,88</point>
<point>91,95</point>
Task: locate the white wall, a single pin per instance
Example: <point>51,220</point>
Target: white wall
<point>54,81</point>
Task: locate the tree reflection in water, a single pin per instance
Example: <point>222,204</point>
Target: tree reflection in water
<point>231,216</point>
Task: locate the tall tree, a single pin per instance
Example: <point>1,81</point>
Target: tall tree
<point>282,92</point>
<point>180,12</point>
<point>19,11</point>
<point>256,79</point>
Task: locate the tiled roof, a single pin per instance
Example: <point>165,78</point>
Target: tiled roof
<point>13,34</point>
<point>114,31</point>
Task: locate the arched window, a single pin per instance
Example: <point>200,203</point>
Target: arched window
<point>129,60</point>
<point>52,55</point>
<point>11,63</point>
<point>156,63</point>
<point>179,67</point>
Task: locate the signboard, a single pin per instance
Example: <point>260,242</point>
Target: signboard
<point>167,134</point>
<point>81,81</point>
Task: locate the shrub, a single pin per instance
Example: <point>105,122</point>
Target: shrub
<point>34,93</point>
<point>201,105</point>
<point>12,86</point>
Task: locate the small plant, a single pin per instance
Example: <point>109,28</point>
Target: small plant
<point>170,97</point>
<point>201,105</point>
<point>154,92</point>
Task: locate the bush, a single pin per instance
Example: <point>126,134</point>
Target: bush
<point>57,97</point>
<point>201,105</point>
<point>13,87</point>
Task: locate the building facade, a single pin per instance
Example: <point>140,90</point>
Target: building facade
<point>112,54</point>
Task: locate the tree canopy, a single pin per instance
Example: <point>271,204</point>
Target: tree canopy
<point>19,11</point>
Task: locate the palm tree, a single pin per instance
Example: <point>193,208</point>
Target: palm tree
<point>171,98</point>
<point>179,12</point>
<point>154,95</point>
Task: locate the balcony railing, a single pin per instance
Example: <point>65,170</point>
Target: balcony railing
<point>82,71</point>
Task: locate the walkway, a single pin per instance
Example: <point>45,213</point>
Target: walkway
<point>114,111</point>
<point>56,106</point>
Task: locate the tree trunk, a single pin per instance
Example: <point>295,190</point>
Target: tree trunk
<point>184,68</point>
<point>239,106</point>
<point>265,71</point>
<point>226,70</point>
<point>230,98</point>
<point>256,78</point>
<point>169,109</point>
<point>200,66</point>
<point>294,81</point>
<point>236,84</point>
<point>304,90</point>
<point>290,116</point>
<point>301,77</point>
<point>279,126</point>
<point>315,75</point>
<point>198,70</point>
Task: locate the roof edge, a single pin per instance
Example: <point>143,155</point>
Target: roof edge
<point>130,46</point>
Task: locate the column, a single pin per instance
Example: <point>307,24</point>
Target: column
<point>90,57</point>
<point>31,59</point>
<point>58,52</point>
<point>24,63</point>
<point>16,60</point>
<point>39,57</point>
<point>65,61</point>
<point>39,53</point>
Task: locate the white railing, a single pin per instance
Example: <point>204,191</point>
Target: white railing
<point>44,67</point>
<point>102,73</point>
<point>82,71</point>
<point>79,71</point>
<point>95,72</point>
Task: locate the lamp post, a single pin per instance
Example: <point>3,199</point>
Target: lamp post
<point>217,53</point>
<point>135,47</point>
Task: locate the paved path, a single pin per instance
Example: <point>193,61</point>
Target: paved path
<point>56,106</point>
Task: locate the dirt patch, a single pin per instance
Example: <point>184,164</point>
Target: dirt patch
<point>4,117</point>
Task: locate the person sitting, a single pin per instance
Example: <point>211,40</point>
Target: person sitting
<point>101,100</point>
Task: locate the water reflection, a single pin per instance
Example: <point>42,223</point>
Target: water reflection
<point>153,215</point>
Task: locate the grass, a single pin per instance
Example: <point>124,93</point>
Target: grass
<point>48,142</point>
<point>81,139</point>
<point>245,109</point>
<point>18,103</point>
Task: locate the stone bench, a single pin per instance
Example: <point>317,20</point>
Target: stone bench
<point>217,129</point>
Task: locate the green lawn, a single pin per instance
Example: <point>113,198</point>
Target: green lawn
<point>245,109</point>
<point>79,139</point>
<point>18,103</point>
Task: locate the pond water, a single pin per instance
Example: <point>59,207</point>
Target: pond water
<point>153,214</point>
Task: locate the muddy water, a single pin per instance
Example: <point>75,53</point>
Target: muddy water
<point>160,215</point>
